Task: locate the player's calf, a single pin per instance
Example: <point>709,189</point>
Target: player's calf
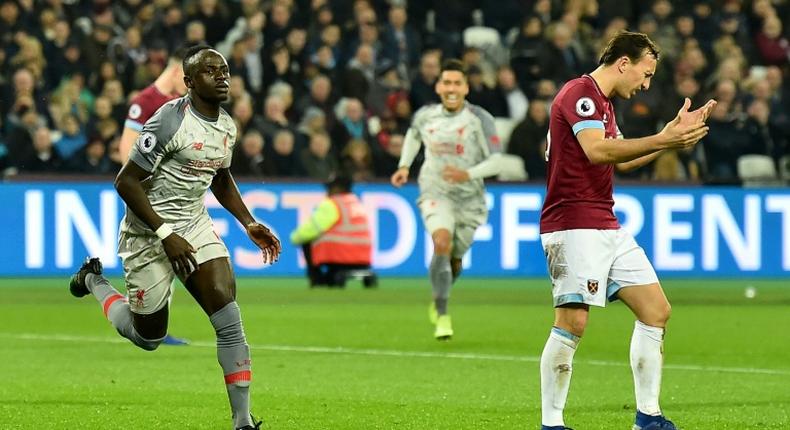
<point>233,354</point>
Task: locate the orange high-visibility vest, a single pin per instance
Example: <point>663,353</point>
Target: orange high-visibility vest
<point>348,240</point>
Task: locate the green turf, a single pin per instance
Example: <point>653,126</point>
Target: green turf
<point>366,359</point>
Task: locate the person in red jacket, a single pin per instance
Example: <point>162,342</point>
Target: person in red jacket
<point>335,239</point>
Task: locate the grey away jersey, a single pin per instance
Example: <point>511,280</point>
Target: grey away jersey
<point>462,139</point>
<point>183,151</point>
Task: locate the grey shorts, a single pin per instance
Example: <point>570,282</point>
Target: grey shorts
<point>148,272</point>
<point>460,219</point>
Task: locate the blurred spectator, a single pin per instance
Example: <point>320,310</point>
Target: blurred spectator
<point>320,96</point>
<point>359,74</point>
<point>91,159</point>
<point>313,121</point>
<point>483,95</point>
<point>352,124</point>
<point>279,67</point>
<point>195,33</point>
<point>277,27</point>
<point>44,158</point>
<point>774,48</point>
<point>386,160</point>
<point>280,159</point>
<point>401,41</point>
<point>526,49</point>
<point>72,137</point>
<point>723,144</point>
<point>558,61</point>
<point>528,139</point>
<point>422,90</point>
<point>513,101</point>
<point>168,25</point>
<point>761,136</point>
<point>248,158</point>
<point>387,83</point>
<point>244,116</point>
<point>673,166</point>
<point>214,16</point>
<point>30,56</point>
<point>274,118</point>
<point>317,160</point>
<point>71,99</point>
<point>20,137</point>
<point>357,159</point>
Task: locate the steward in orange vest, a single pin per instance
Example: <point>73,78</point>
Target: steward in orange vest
<point>336,237</point>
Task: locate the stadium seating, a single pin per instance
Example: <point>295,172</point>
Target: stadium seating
<point>504,128</point>
<point>757,170</point>
<point>512,168</point>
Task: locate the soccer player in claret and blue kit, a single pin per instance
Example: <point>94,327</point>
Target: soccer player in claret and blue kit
<point>591,259</point>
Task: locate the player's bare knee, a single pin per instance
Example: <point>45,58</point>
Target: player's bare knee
<point>657,315</point>
<point>663,313</point>
<point>573,322</point>
<point>441,245</point>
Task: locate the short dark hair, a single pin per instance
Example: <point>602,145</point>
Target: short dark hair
<point>340,180</point>
<point>632,45</point>
<point>454,65</point>
<point>190,53</point>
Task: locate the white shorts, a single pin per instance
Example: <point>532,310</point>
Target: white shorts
<point>460,220</point>
<point>148,271</point>
<point>590,266</point>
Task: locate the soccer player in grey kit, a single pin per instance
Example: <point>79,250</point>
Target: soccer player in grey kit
<point>183,150</point>
<point>461,148</point>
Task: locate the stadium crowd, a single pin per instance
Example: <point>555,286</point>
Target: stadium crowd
<point>323,85</point>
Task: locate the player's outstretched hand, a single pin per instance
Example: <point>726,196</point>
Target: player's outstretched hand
<point>266,241</point>
<point>697,116</point>
<point>685,130</point>
<point>400,177</point>
<point>181,255</point>
<point>454,175</point>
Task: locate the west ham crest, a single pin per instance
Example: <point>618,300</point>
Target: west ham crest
<point>592,286</point>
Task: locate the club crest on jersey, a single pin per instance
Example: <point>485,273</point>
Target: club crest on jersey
<point>585,106</point>
<point>146,142</point>
<point>592,286</point>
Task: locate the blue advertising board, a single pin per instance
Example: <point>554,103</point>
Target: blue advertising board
<point>689,232</point>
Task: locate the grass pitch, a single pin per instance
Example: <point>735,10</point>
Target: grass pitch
<point>366,359</point>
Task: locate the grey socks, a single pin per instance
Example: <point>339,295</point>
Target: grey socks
<point>441,276</point>
<point>116,309</point>
<point>233,354</point>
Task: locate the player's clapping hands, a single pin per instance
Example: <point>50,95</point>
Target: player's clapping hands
<point>688,127</point>
<point>266,241</point>
<point>454,175</point>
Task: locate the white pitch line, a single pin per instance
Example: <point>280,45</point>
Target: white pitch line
<point>405,354</point>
